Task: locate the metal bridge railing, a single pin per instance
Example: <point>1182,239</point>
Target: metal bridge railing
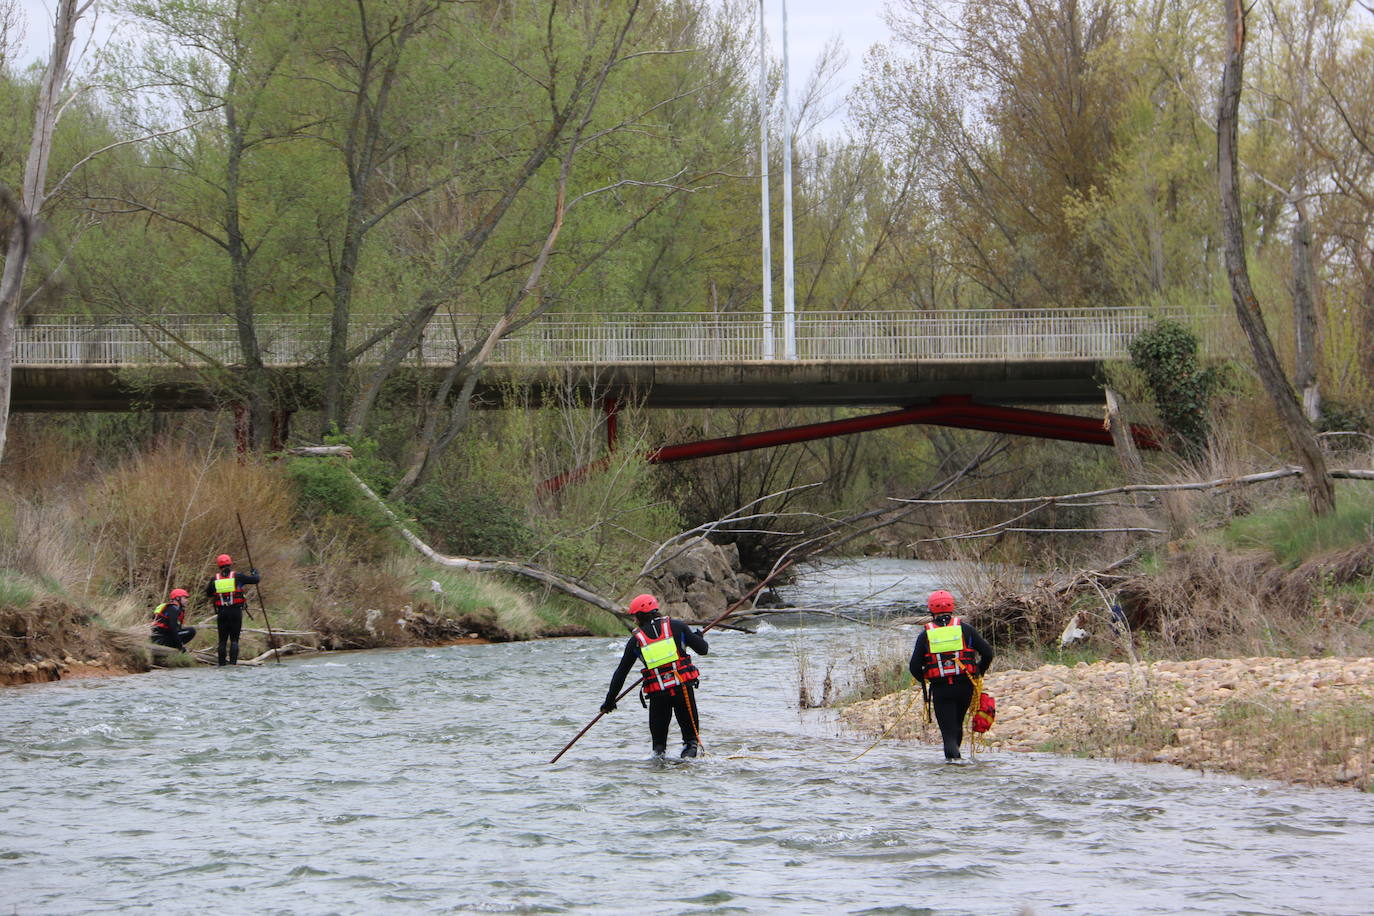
<point>976,335</point>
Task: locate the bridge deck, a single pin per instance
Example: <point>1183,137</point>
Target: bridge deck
<point>678,360</point>
<point>717,384</point>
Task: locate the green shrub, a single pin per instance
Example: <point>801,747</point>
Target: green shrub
<point>324,487</point>
<point>471,522</point>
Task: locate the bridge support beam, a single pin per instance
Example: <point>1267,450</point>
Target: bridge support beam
<point>956,411</point>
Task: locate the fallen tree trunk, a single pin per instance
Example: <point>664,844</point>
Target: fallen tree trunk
<point>485,564</point>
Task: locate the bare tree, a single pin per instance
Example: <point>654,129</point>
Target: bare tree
<point>569,135</point>
<point>1320,491</point>
<point>27,207</point>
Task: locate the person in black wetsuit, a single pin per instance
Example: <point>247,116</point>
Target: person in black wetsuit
<point>943,658</point>
<point>167,622</point>
<point>669,677</point>
<point>225,592</point>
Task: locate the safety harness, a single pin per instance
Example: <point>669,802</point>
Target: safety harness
<point>665,669</point>
<point>947,655</point>
<point>227,592</point>
<point>163,620</point>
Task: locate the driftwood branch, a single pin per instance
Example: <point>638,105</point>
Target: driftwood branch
<point>291,648</point>
<point>321,451</point>
<point>847,529</point>
<point>1136,488</point>
<point>657,560</point>
<point>1037,503</point>
<point>996,530</point>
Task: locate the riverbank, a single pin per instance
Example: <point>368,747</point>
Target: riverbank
<point>137,662</point>
<point>1301,720</point>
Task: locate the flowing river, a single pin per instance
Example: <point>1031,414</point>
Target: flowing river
<point>418,781</point>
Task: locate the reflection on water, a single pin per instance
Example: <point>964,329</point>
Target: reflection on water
<point>416,781</point>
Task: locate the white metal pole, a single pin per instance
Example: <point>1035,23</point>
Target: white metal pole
<point>767,208</point>
<point>789,318</point>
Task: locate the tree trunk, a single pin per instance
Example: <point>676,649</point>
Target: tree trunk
<point>1305,315</point>
<point>1122,441</point>
<point>1320,491</point>
<point>33,195</point>
<point>258,389</point>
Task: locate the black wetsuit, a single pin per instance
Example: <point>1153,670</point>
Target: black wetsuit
<point>665,704</point>
<point>167,628</point>
<point>950,696</point>
<point>229,618</point>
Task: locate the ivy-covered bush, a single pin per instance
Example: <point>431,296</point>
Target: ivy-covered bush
<point>1167,354</point>
<point>470,521</point>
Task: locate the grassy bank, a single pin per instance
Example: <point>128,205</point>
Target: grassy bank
<point>89,545</point>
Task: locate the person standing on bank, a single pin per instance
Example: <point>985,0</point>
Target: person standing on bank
<point>943,659</point>
<point>167,622</point>
<point>669,677</point>
<point>225,592</point>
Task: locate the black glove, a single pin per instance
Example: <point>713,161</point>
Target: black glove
<point>608,706</point>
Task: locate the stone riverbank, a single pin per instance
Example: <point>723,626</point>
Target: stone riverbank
<point>1305,720</point>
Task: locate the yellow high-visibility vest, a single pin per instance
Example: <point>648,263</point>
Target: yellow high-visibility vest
<point>658,652</point>
<point>945,639</point>
<point>225,586</point>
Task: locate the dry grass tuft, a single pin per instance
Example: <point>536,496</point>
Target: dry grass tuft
<point>1210,599</point>
<point>42,540</point>
<point>168,513</point>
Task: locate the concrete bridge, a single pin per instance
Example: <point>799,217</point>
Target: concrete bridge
<point>671,360</point>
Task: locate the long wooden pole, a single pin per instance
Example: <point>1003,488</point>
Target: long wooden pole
<point>728,611</point>
<point>271,637</point>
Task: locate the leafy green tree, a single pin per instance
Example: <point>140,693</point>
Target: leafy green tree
<point>226,185</point>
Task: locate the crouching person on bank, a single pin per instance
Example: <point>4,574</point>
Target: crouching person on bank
<point>168,618</point>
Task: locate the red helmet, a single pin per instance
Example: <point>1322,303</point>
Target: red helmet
<point>643,604</point>
<point>224,560</point>
<point>940,602</point>
<point>178,593</point>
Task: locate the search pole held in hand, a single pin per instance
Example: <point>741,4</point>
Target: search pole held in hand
<point>728,611</point>
<point>271,637</point>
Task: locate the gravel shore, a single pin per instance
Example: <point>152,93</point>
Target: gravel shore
<point>1308,720</point>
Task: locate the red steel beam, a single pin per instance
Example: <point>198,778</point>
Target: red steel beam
<point>958,411</point>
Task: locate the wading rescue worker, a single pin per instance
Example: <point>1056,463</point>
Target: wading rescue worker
<point>669,677</point>
<point>943,658</point>
<point>225,592</point>
<point>167,622</point>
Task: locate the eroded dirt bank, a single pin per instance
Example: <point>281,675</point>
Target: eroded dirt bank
<point>1307,720</point>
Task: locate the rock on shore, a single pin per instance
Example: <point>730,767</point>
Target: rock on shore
<point>699,580</point>
<point>1307,720</point>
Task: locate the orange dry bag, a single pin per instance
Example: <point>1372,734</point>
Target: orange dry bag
<point>985,714</point>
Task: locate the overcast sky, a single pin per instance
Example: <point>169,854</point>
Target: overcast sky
<point>810,24</point>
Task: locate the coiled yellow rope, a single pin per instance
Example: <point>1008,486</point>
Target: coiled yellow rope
<point>900,716</point>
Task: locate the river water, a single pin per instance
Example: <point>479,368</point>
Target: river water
<point>418,781</point>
